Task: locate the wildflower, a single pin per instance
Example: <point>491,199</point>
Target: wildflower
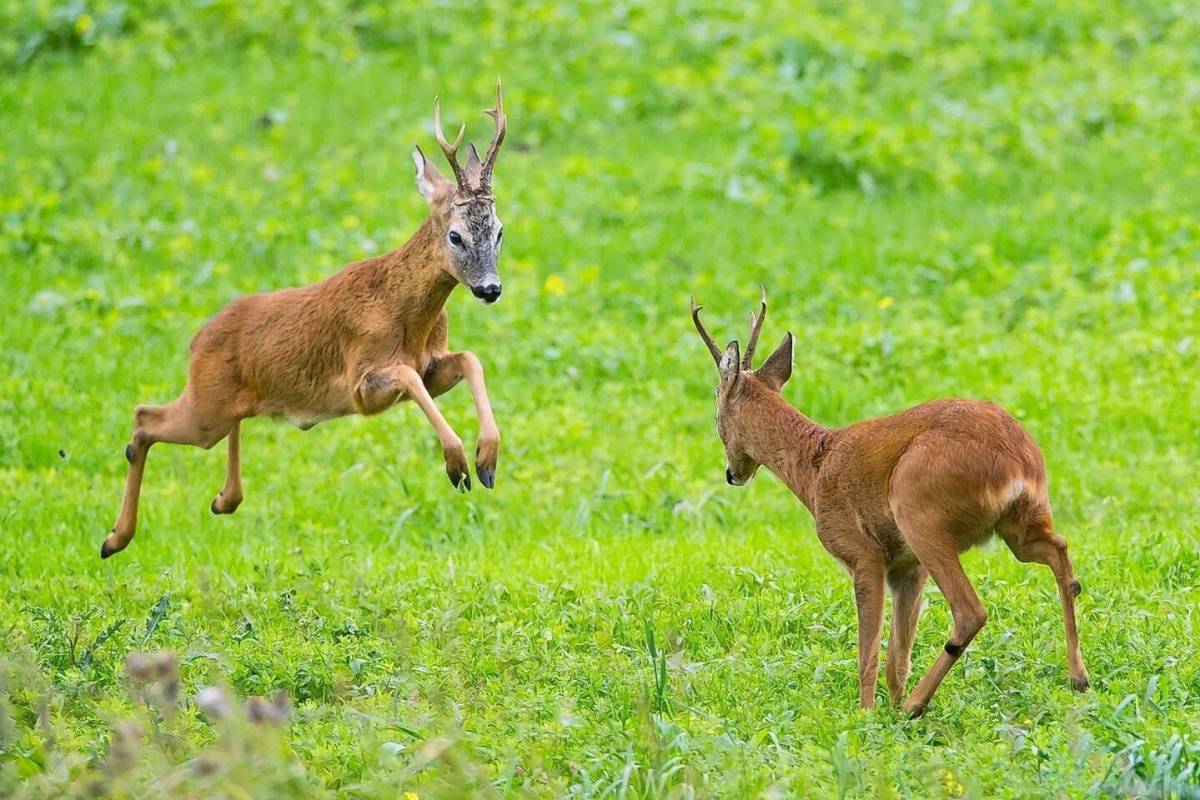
<point>885,302</point>
<point>953,787</point>
<point>275,711</point>
<point>137,666</point>
<point>555,285</point>
<point>213,701</point>
<point>84,23</point>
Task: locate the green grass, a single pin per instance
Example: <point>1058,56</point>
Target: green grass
<point>992,200</point>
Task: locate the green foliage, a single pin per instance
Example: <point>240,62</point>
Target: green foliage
<point>983,199</point>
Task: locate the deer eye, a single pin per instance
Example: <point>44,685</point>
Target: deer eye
<point>456,238</point>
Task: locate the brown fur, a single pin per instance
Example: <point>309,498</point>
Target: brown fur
<point>896,499</point>
<point>369,336</point>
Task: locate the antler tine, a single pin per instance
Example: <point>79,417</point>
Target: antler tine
<point>451,150</point>
<point>708,342</point>
<point>755,327</point>
<point>497,114</point>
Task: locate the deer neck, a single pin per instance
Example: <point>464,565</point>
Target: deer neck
<point>419,283</point>
<point>791,446</point>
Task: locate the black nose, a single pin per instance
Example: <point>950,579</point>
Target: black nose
<point>729,477</point>
<point>488,294</point>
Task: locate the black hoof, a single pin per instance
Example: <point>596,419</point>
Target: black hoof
<point>107,549</point>
<point>486,476</point>
<point>461,482</point>
<point>216,509</point>
<point>1080,684</point>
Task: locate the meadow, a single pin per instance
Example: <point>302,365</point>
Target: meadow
<point>987,199</point>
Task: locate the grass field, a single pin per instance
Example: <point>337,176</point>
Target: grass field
<point>991,200</point>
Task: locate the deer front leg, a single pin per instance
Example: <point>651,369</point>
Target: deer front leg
<point>868,596</point>
<point>380,388</point>
<point>906,585</point>
<point>230,496</point>
<point>446,372</point>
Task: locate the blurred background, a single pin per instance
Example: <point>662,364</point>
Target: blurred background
<point>986,199</point>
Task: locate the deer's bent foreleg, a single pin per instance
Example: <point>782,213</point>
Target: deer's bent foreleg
<point>230,496</point>
<point>379,388</point>
<point>446,372</point>
<point>175,423</point>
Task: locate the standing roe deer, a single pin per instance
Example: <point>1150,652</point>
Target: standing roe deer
<point>897,499</point>
<point>369,336</point>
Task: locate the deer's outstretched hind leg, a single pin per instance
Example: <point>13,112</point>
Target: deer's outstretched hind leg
<point>231,493</point>
<point>175,423</point>
<point>1034,540</point>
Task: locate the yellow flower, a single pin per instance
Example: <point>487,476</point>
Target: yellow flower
<point>953,787</point>
<point>350,221</point>
<point>180,246</point>
<point>83,24</point>
<point>410,796</point>
<point>555,285</point>
<point>885,302</point>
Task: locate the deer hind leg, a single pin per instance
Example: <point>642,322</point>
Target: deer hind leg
<point>230,496</point>
<point>868,596</point>
<point>445,375</point>
<point>1039,544</point>
<point>175,423</point>
<point>937,553</point>
<point>906,585</point>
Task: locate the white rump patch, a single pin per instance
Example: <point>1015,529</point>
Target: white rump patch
<point>1006,495</point>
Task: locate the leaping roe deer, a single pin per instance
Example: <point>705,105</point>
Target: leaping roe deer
<point>896,500</point>
<point>373,334</point>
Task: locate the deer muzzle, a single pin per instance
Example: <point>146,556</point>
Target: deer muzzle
<point>487,292</point>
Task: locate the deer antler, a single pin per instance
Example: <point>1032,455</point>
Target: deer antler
<point>708,342</point>
<point>489,161</point>
<point>451,150</point>
<point>755,327</point>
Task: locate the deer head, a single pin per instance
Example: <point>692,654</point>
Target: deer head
<point>465,210</point>
<point>740,390</point>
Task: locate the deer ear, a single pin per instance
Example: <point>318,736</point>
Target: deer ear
<point>430,182</point>
<point>776,370</point>
<point>729,366</point>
